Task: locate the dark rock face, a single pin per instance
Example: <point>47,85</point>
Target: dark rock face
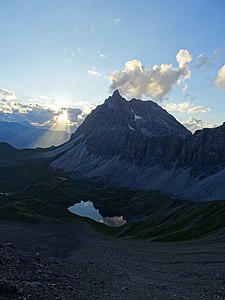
<point>139,131</point>
<point>145,117</point>
<point>204,152</point>
<point>140,145</point>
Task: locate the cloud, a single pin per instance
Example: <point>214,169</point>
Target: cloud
<point>92,28</point>
<point>185,89</point>
<point>186,107</point>
<point>93,72</point>
<point>220,79</point>
<point>137,81</point>
<point>30,112</point>
<point>204,62</point>
<point>39,112</point>
<point>73,113</point>
<point>218,51</point>
<point>102,55</point>
<point>6,94</point>
<point>117,21</point>
<point>46,98</point>
<point>194,124</point>
<point>184,57</point>
<point>71,53</point>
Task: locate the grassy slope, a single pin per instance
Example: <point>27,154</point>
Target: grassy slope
<point>41,194</point>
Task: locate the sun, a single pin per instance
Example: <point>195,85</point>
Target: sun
<point>61,121</point>
<point>63,118</point>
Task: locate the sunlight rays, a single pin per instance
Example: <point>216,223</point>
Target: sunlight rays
<point>58,132</point>
<point>61,121</point>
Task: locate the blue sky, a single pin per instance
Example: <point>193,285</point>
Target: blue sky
<point>65,53</point>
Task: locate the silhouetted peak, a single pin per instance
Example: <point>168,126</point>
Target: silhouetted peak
<point>116,93</point>
<point>144,117</point>
<point>115,99</point>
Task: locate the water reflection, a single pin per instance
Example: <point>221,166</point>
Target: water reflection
<point>97,213</point>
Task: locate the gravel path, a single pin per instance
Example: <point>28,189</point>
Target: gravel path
<point>46,261</point>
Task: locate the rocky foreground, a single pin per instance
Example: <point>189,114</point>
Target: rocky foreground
<point>73,261</point>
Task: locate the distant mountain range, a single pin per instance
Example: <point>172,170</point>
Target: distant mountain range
<point>140,145</point>
<point>24,135</point>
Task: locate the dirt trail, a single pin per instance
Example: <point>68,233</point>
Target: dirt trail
<point>75,262</point>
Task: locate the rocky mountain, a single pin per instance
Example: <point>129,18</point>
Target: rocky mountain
<point>132,129</point>
<point>24,135</point>
<point>145,117</point>
<point>139,145</point>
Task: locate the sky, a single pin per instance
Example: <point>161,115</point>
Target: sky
<point>61,58</point>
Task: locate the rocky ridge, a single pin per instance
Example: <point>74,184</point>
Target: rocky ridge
<point>139,145</point>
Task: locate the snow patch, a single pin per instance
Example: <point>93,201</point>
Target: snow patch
<point>136,117</point>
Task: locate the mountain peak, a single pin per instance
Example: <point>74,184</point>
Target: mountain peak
<point>144,117</point>
<point>115,100</point>
<point>116,93</point>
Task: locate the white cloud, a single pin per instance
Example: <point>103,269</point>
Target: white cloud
<point>137,81</point>
<point>93,72</point>
<point>220,79</point>
<point>102,55</point>
<point>21,111</point>
<point>117,21</point>
<point>40,112</point>
<point>194,124</point>
<point>184,57</point>
<point>185,107</point>
<point>6,94</point>
<point>185,89</point>
<point>43,97</point>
